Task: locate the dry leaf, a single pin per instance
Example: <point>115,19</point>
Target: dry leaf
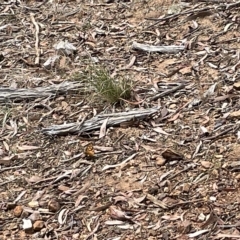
<point>103,128</point>
<point>185,227</point>
<point>114,222</point>
<point>5,160</point>
<point>27,148</point>
<point>156,201</point>
<point>159,130</point>
<point>104,149</point>
<point>174,117</point>
<point>117,214</point>
<point>170,155</point>
<point>186,70</point>
<point>63,188</point>
<point>235,114</point>
<point>62,217</point>
<point>34,179</point>
<point>79,199</point>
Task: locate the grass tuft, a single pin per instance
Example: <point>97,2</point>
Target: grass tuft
<point>112,90</point>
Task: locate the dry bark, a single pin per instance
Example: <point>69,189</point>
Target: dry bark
<point>96,122</point>
<point>10,94</point>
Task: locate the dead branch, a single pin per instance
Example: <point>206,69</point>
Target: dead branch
<point>7,94</point>
<point>162,49</point>
<point>97,121</point>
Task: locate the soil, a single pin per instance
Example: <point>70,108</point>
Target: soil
<point>171,175</point>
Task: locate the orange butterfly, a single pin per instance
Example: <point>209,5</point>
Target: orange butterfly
<point>89,151</point>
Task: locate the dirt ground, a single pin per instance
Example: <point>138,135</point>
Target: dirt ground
<point>171,175</point>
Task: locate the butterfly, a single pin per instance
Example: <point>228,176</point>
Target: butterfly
<point>89,151</point>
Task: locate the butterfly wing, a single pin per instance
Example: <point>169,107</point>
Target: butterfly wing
<point>89,151</point>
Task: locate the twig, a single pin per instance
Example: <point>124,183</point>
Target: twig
<point>40,4</point>
<point>120,164</point>
<point>37,39</point>
<point>162,49</point>
<point>3,183</point>
<point>214,1</point>
<point>180,14</point>
<point>93,231</point>
<point>187,202</point>
<point>72,158</point>
<point>159,95</point>
<point>156,201</point>
<point>184,170</point>
<point>222,133</point>
<point>236,4</point>
<point>14,167</point>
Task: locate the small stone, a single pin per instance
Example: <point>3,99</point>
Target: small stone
<point>35,216</point>
<point>53,205</point>
<point>213,199</point>
<point>38,225</point>
<point>75,236</point>
<point>33,204</point>
<point>236,85</point>
<point>186,187</point>
<point>160,161</point>
<point>27,224</point>
<point>201,217</point>
<point>17,211</point>
<point>172,106</point>
<point>206,164</point>
<point>166,189</point>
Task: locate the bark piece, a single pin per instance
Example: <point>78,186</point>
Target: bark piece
<point>162,49</point>
<point>7,94</point>
<point>97,121</point>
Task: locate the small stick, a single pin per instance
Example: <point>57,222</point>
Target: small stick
<point>37,39</point>
<point>159,95</point>
<point>9,168</point>
<point>220,134</point>
<point>120,164</point>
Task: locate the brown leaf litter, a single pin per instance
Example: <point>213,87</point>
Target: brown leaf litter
<point>162,165</point>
